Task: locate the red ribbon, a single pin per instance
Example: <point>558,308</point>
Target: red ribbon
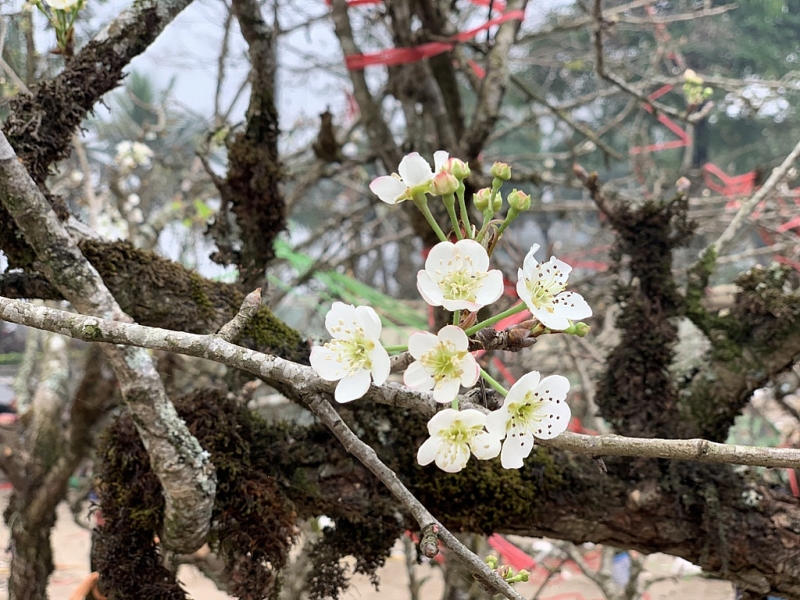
<point>396,56</point>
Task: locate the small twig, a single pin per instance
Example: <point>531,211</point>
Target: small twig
<point>550,574</point>
<point>233,328</point>
<point>727,236</point>
<point>324,411</point>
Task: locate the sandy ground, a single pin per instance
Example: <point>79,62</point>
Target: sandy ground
<point>72,556</point>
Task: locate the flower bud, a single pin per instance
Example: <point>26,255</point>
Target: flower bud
<point>481,199</point>
<point>458,168</point>
<point>580,329</point>
<point>444,183</point>
<point>519,201</point>
<point>501,170</point>
<point>491,561</point>
<point>498,202</point>
<point>691,77</point>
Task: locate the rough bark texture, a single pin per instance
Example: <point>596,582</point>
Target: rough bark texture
<point>705,513</point>
<point>183,468</point>
<point>38,138</point>
<point>251,190</point>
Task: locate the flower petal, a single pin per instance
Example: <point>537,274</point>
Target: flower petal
<point>485,446</point>
<point>556,416</point>
<point>440,159</point>
<point>524,384</point>
<point>452,305</point>
<point>353,386</point>
<point>491,288</point>
<point>470,371</point>
<point>324,362</point>
<point>553,387</point>
<point>439,255</point>
<point>369,321</point>
<point>473,249</point>
<point>551,319</point>
<point>530,263</point>
<point>340,315</point>
<point>420,342</point>
<point>454,460</point>
<point>414,170</point>
<point>389,189</point>
<point>561,269</point>
<point>381,365</point>
<point>472,417</point>
<point>454,334</point>
<point>442,420</point>
<point>417,378</point>
<point>427,452</point>
<point>497,422</point>
<point>515,451</point>
<point>572,306</point>
<point>445,390</point>
<point>429,289</point>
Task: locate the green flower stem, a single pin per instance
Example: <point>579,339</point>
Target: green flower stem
<point>513,213</point>
<point>494,383</point>
<point>517,308</point>
<point>456,317</point>
<point>395,348</point>
<point>462,205</point>
<point>421,202</point>
<point>454,403</point>
<point>488,214</point>
<point>450,204</point>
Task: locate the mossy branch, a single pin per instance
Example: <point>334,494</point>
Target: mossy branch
<point>183,468</point>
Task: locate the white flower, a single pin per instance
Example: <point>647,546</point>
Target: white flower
<point>354,354</point>
<point>62,4</point>
<point>453,435</point>
<point>415,174</point>
<point>456,277</point>
<point>541,287</point>
<point>443,363</point>
<point>133,154</point>
<point>532,408</point>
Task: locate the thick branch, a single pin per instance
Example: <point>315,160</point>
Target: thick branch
<point>186,474</point>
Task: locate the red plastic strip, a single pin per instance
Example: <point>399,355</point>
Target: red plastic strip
<point>396,56</point>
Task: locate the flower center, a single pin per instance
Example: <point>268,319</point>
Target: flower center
<point>526,414</point>
<point>443,361</point>
<point>458,435</point>
<point>353,351</point>
<point>544,286</point>
<point>459,280</point>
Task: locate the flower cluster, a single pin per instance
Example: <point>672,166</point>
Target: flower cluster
<point>133,154</point>
<point>457,277</point>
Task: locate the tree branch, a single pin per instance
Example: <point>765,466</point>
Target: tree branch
<point>381,140</point>
<point>494,86</point>
<point>183,468</point>
<point>305,382</point>
<point>351,442</point>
